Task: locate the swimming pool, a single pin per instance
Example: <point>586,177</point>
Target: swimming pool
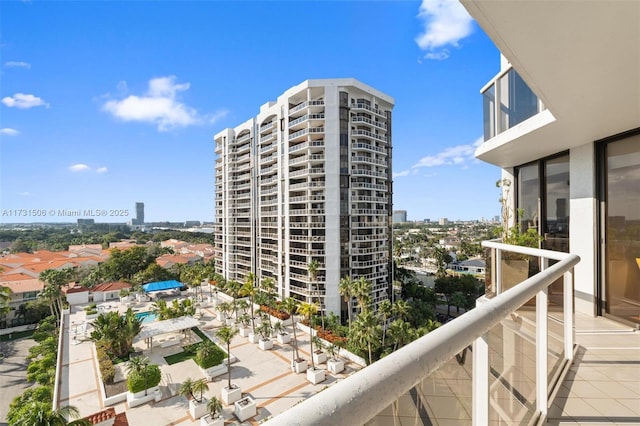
<point>146,316</point>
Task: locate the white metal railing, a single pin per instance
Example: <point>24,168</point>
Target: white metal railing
<point>360,397</point>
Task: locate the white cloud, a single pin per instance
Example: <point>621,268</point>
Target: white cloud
<point>23,101</point>
<point>446,22</point>
<point>9,132</point>
<point>24,194</point>
<point>401,174</point>
<point>79,168</point>
<point>102,170</point>
<point>17,64</point>
<point>159,106</point>
<point>455,155</point>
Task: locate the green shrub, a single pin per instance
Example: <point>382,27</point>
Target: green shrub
<point>209,356</point>
<point>136,381</point>
<point>106,365</point>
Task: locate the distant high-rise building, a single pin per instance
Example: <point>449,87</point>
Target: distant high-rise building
<point>443,221</point>
<point>399,216</point>
<point>308,180</point>
<point>139,220</point>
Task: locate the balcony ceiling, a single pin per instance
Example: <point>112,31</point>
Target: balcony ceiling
<point>582,58</point>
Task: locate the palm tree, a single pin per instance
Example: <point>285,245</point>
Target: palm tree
<point>366,331</point>
<point>346,290</point>
<point>402,309</point>
<point>5,298</point>
<point>386,311</point>
<point>313,275</point>
<point>41,414</point>
<point>268,286</point>
<point>308,310</point>
<point>290,306</point>
<point>226,334</point>
<point>56,279</point>
<point>249,289</point>
<point>233,288</point>
<point>399,333</point>
<point>139,365</point>
<point>362,293</point>
<point>214,406</point>
<point>190,388</point>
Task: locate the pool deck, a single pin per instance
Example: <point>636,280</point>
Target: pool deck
<point>266,376</point>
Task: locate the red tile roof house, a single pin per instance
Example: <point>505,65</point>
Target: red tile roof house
<point>107,291</point>
<point>23,289</point>
<point>108,417</point>
<point>77,295</point>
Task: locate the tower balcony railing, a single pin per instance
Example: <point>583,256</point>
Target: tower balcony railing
<point>507,101</point>
<point>504,380</point>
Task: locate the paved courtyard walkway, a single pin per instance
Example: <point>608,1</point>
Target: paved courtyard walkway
<point>266,376</point>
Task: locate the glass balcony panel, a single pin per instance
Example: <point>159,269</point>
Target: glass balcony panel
<point>444,397</point>
<point>512,369</point>
<point>489,112</point>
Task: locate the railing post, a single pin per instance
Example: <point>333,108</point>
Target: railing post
<point>541,346</point>
<point>480,381</point>
<point>498,269</point>
<point>568,314</point>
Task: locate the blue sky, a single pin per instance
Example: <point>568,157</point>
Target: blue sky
<point>109,103</point>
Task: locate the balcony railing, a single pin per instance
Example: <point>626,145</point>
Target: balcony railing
<point>507,101</point>
<point>411,383</point>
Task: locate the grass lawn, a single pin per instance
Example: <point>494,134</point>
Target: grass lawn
<point>189,352</point>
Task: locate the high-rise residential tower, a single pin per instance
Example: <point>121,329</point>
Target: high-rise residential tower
<point>139,214</point>
<point>308,182</point>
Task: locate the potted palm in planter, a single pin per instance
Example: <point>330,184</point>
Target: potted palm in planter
<point>222,310</point>
<point>197,405</point>
<point>230,393</point>
<point>314,375</point>
<point>334,363</point>
<point>298,365</point>
<point>245,321</point>
<point>319,355</point>
<point>281,333</point>
<point>215,417</point>
<point>264,329</point>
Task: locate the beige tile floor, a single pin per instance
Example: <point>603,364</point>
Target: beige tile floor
<point>264,375</point>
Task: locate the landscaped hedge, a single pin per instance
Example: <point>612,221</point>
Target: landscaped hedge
<point>275,313</point>
<point>136,381</point>
<point>106,365</point>
<point>211,357</point>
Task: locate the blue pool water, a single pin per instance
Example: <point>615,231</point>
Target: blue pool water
<point>146,316</point>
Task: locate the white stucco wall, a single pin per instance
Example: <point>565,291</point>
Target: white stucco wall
<point>583,234</point>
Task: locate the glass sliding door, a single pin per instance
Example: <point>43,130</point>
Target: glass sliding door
<point>555,223</point>
<point>622,229</point>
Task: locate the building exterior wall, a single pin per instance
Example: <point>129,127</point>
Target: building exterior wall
<point>308,178</point>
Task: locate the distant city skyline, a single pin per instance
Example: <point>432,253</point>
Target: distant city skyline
<point>111,103</point>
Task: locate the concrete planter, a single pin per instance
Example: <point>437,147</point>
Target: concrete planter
<point>244,332</point>
<point>299,366</point>
<point>209,421</point>
<point>254,338</point>
<point>220,316</point>
<point>245,408</point>
<point>197,409</point>
<point>316,375</point>
<point>229,396</point>
<point>319,357</point>
<point>265,345</point>
<point>283,338</point>
<point>335,365</point>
